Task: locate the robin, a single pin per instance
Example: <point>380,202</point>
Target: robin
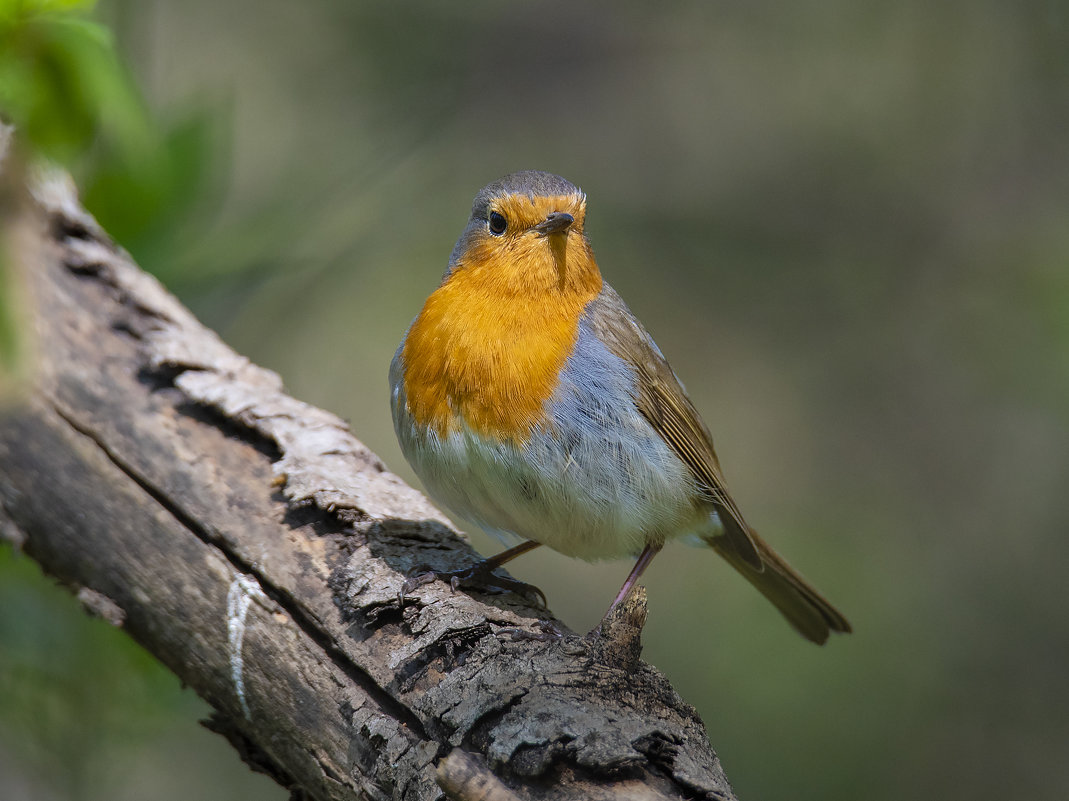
<point>531,402</point>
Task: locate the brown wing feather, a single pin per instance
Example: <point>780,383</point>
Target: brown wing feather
<point>664,403</point>
<point>662,400</point>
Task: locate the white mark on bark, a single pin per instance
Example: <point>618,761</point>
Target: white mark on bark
<point>241,593</point>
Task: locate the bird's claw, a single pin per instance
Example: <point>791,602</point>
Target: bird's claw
<point>417,580</point>
<point>479,576</point>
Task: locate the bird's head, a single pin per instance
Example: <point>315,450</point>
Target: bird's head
<point>525,235</point>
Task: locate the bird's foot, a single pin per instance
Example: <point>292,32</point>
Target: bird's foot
<point>479,576</point>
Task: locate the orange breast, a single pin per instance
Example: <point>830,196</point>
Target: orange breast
<point>491,340</point>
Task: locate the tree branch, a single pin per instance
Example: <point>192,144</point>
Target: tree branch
<point>252,544</point>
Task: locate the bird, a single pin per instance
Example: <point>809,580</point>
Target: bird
<point>530,401</point>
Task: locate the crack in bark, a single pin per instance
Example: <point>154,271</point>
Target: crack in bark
<point>384,700</point>
<point>448,651</point>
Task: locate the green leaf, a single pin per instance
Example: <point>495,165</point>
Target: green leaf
<point>61,83</point>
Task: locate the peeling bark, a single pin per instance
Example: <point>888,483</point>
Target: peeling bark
<point>258,549</point>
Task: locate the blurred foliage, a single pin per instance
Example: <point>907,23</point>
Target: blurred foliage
<point>72,101</point>
<point>60,82</point>
<point>844,222</point>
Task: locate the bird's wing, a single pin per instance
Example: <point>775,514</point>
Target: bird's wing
<point>661,399</point>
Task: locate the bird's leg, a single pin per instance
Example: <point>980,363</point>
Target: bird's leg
<point>506,556</point>
<point>481,575</point>
<point>641,564</point>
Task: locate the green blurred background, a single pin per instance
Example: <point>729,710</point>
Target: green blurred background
<point>846,224</point>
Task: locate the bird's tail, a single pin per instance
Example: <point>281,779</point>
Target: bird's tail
<point>805,608</point>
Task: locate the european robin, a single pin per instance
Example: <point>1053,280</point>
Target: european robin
<point>531,402</point>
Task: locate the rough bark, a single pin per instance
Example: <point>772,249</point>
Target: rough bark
<point>252,544</point>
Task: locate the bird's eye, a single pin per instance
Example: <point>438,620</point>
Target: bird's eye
<point>498,223</point>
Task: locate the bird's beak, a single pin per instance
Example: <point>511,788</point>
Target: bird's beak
<point>555,223</point>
